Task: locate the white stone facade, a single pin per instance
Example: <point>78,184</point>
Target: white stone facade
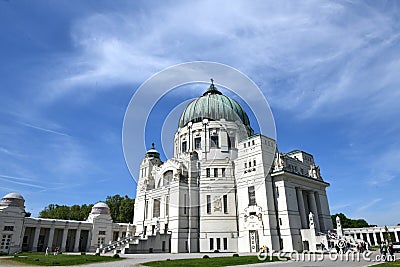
<point>20,233</point>
<point>219,191</point>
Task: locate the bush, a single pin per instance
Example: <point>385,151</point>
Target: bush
<point>2,253</point>
<point>168,259</point>
<point>116,256</point>
<point>83,253</point>
<point>216,251</point>
<point>97,254</point>
<point>235,255</point>
<point>206,257</point>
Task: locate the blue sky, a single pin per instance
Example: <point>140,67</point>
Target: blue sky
<point>330,72</point>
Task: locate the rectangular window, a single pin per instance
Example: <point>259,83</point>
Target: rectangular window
<point>277,191</point>
<point>184,146</point>
<point>225,243</point>
<point>197,143</point>
<point>146,210</point>
<point>153,228</point>
<point>252,142</point>
<point>218,243</point>
<point>244,145</point>
<point>214,141</point>
<point>231,142</point>
<point>144,231</point>
<point>8,228</point>
<point>249,164</point>
<point>254,163</point>
<point>184,204</point>
<point>156,208</point>
<point>252,196</point>
<point>102,232</point>
<point>223,172</point>
<point>215,172</point>
<point>225,200</point>
<point>211,243</point>
<point>166,228</point>
<point>166,205</point>
<point>245,165</point>
<point>163,246</point>
<point>208,172</point>
<point>280,221</point>
<point>208,204</point>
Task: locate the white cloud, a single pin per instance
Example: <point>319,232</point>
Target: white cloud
<point>384,167</point>
<point>322,51</point>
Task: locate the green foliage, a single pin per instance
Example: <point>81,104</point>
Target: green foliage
<point>235,255</point>
<point>212,261</point>
<point>76,212</point>
<point>121,209</point>
<point>115,256</point>
<point>64,260</point>
<point>347,222</point>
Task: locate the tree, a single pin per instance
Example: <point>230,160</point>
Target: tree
<point>121,210</point>
<point>348,223</point>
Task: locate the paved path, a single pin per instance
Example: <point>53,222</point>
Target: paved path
<point>329,261</point>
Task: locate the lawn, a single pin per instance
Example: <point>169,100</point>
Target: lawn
<point>212,261</point>
<point>389,264</point>
<point>61,259</point>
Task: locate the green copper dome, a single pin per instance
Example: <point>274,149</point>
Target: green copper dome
<point>213,105</point>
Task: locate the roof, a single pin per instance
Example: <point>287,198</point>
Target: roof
<point>213,105</point>
<point>14,195</point>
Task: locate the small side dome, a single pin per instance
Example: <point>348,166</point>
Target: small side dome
<point>100,208</point>
<point>13,199</point>
<point>152,152</point>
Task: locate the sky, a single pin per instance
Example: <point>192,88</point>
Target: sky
<point>329,70</point>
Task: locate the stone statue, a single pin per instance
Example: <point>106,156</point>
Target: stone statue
<point>217,204</point>
<point>311,219</point>
<point>339,229</point>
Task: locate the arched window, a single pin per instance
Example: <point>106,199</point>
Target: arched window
<point>167,177</point>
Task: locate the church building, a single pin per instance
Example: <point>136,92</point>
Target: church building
<point>226,188</point>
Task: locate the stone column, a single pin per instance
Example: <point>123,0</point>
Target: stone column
<point>381,234</point>
<point>77,238</point>
<point>36,239</point>
<point>64,239</point>
<point>302,209</point>
<point>89,240</point>
<point>51,237</point>
<point>375,239</point>
<point>368,239</point>
<point>313,208</point>
<point>396,235</point>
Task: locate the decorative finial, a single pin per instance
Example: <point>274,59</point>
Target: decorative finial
<point>212,89</point>
<point>152,145</point>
